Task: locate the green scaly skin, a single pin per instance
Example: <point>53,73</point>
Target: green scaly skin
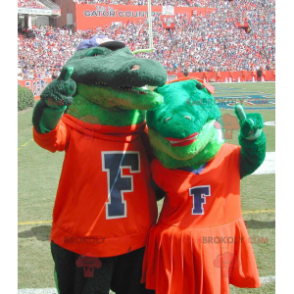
<point>189,109</point>
<point>99,83</point>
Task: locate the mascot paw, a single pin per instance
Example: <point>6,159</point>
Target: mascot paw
<point>60,91</point>
<point>250,124</point>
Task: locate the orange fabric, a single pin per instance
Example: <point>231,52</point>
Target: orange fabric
<point>203,253</point>
<point>79,216</point>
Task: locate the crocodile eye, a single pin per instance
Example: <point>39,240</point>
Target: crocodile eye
<point>199,86</point>
<point>167,119</point>
<point>187,117</point>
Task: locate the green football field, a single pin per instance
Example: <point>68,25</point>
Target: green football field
<point>39,171</point>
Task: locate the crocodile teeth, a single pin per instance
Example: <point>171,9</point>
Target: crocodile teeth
<point>100,84</point>
<point>142,91</point>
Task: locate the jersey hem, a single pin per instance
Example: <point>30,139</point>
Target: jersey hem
<point>100,246</point>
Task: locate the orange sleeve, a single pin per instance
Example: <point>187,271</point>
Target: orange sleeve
<point>56,140</point>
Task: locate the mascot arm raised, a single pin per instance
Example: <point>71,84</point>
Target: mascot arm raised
<point>56,97</point>
<point>251,139</point>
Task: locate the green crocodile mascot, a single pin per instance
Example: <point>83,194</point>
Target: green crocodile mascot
<point>95,111</point>
<point>200,244</point>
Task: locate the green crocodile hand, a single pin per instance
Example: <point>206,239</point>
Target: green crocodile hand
<point>252,140</point>
<point>54,100</point>
<point>251,124</point>
<point>60,91</point>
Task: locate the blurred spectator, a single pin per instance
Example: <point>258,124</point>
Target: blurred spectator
<point>259,74</point>
<point>19,74</point>
<point>218,76</point>
<point>274,74</point>
<point>254,74</point>
<point>243,76</point>
<point>178,3</point>
<point>201,43</point>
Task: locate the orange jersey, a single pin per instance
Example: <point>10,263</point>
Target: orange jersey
<point>104,203</point>
<point>200,244</point>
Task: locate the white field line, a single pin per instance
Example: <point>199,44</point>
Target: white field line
<point>267,280</point>
<point>270,123</point>
<point>263,280</point>
<point>38,291</point>
<point>42,291</point>
<point>268,166</point>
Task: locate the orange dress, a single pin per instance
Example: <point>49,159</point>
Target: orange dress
<point>200,243</point>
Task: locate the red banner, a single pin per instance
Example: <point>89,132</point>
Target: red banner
<point>236,76</point>
<point>90,16</point>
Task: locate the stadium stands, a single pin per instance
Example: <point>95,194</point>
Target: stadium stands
<point>178,3</point>
<point>202,43</point>
<point>30,4</point>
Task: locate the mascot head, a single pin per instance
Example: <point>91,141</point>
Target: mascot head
<point>184,130</point>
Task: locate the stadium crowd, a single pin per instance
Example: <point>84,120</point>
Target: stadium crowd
<point>30,4</point>
<point>178,3</point>
<point>201,43</point>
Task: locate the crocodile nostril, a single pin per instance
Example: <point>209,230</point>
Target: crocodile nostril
<point>187,117</point>
<point>135,67</point>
